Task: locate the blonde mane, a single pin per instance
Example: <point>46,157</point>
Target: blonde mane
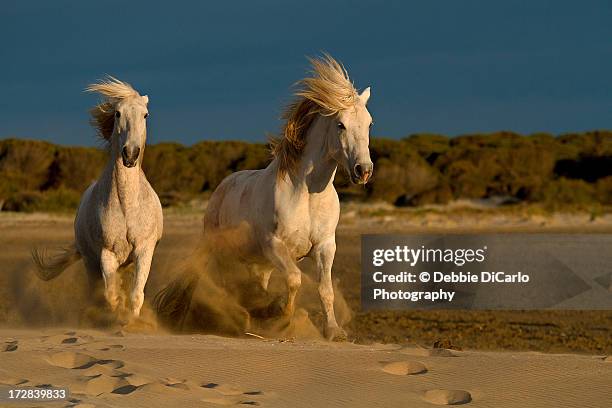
<point>327,92</point>
<point>103,114</point>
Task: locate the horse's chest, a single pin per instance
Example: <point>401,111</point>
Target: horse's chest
<point>123,233</point>
<point>300,230</point>
<point>294,231</point>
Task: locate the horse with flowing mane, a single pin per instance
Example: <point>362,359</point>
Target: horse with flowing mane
<point>119,219</point>
<point>290,209</point>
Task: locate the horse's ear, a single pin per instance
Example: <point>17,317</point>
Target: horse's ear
<point>365,95</point>
<point>146,99</point>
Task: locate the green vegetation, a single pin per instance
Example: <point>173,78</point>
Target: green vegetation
<point>568,171</point>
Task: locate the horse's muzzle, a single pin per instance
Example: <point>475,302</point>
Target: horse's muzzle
<point>362,172</point>
<point>130,156</point>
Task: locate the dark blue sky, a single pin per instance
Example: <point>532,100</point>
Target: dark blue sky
<point>223,70</point>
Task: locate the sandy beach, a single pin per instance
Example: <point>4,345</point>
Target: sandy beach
<point>136,370</point>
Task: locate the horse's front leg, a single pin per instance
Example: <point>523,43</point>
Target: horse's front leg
<point>281,258</point>
<point>323,255</point>
<point>144,256</point>
<point>109,265</point>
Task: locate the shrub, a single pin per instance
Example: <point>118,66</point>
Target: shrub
<point>421,169</point>
<point>563,193</point>
<point>60,200</point>
<point>603,190</point>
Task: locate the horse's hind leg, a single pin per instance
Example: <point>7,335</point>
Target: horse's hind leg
<point>109,266</point>
<point>94,276</point>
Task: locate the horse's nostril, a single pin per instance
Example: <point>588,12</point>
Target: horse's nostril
<point>363,171</point>
<point>136,152</point>
<point>358,170</point>
<point>124,151</point>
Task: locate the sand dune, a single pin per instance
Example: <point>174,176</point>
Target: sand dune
<point>140,370</point>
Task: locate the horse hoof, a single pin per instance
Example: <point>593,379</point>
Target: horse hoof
<point>335,334</point>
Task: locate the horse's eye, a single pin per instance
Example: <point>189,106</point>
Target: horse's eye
<point>117,114</point>
<point>146,115</point>
<point>341,126</point>
<point>371,123</point>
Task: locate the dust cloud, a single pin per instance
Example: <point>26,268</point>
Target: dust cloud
<point>204,292</point>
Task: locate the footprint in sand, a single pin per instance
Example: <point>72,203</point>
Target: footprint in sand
<point>404,368</point>
<point>447,397</point>
<point>95,371</point>
<point>98,376</point>
<point>71,359</point>
<point>103,384</point>
<point>223,389</point>
<point>226,394</point>
<point>10,345</point>
<point>76,360</point>
<point>112,363</point>
<point>75,402</point>
<point>118,347</point>
<point>68,338</point>
<point>13,381</point>
<point>149,385</point>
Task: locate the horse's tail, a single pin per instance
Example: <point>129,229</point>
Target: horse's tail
<point>50,267</point>
<point>172,302</point>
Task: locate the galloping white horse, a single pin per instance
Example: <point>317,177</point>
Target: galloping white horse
<point>290,209</point>
<point>119,219</point>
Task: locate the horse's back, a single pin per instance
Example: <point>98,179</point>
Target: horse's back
<point>231,200</point>
<point>85,225</point>
<point>85,198</point>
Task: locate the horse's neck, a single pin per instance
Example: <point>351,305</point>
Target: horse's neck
<point>316,168</point>
<point>124,182</point>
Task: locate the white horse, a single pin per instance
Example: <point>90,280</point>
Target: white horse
<point>290,209</point>
<point>119,219</point>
